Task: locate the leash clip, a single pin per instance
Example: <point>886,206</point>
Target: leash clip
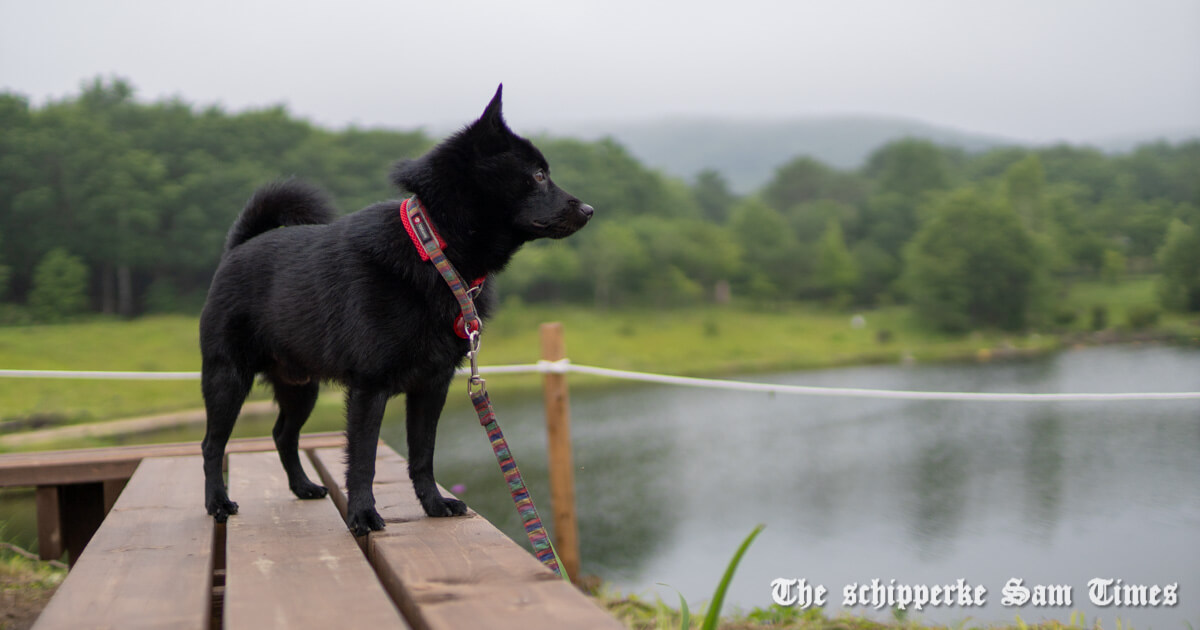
<point>475,340</point>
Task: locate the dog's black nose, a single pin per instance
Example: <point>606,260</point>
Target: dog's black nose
<point>587,210</point>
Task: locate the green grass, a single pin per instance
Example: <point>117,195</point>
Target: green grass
<point>1119,300</point>
<point>153,344</point>
<point>25,586</point>
<point>18,572</point>
<point>701,341</point>
<point>722,341</point>
<point>1137,291</point>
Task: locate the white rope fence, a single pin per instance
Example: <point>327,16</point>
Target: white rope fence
<point>564,366</point>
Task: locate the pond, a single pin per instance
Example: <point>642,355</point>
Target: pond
<point>670,480</point>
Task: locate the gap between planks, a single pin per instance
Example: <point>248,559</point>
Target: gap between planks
<point>457,572</point>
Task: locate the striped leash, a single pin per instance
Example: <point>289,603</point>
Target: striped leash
<point>420,229</point>
<point>538,538</point>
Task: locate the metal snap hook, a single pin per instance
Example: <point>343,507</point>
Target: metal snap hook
<point>475,340</point>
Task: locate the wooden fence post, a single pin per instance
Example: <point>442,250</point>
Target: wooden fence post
<point>49,523</point>
<point>558,438</point>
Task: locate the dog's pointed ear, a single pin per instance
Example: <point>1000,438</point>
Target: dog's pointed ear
<point>492,115</point>
<point>490,134</point>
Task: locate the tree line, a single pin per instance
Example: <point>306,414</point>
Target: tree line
<point>112,205</point>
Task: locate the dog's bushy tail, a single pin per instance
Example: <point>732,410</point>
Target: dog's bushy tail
<point>289,202</point>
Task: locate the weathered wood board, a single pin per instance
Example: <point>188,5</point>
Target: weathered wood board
<point>293,563</point>
<point>150,563</point>
<point>460,572</point>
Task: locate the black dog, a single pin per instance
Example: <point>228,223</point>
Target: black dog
<point>351,301</point>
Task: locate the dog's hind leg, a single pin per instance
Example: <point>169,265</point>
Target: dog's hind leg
<point>295,404</point>
<point>364,414</point>
<point>424,407</point>
<point>225,387</point>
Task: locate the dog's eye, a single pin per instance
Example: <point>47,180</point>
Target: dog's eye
<point>539,176</point>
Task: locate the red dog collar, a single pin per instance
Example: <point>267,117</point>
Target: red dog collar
<point>429,246</point>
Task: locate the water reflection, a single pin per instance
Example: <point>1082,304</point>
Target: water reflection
<point>939,496</point>
<point>670,480</point>
<point>1043,482</point>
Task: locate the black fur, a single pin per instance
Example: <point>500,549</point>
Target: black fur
<point>350,301</point>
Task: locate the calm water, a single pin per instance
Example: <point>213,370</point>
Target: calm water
<point>670,480</point>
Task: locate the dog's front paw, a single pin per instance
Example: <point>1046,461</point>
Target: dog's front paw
<point>221,508</point>
<point>441,506</point>
<point>363,522</point>
<point>309,490</point>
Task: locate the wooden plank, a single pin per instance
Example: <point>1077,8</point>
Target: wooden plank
<point>45,468</point>
<point>293,563</point>
<point>150,563</point>
<point>49,525</point>
<point>460,572</point>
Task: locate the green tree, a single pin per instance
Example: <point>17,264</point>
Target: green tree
<point>903,172</point>
<point>1090,169</point>
<point>1143,225</point>
<point>877,272</point>
<point>1114,266</point>
<point>1025,183</point>
<point>809,219</point>
<point>772,255</point>
<point>908,167</point>
<point>805,179</point>
<point>613,254</point>
<point>1179,259</point>
<point>5,273</point>
<point>891,221</point>
<point>545,271</point>
<point>835,270</point>
<point>1163,171</point>
<point>973,264</point>
<point>992,164</point>
<point>59,285</point>
<point>712,194</point>
<point>703,253</point>
<point>143,193</point>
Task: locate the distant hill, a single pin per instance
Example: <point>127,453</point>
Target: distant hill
<point>747,152</point>
<point>1128,142</point>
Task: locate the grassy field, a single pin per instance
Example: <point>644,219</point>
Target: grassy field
<point>148,344</point>
<point>708,341</point>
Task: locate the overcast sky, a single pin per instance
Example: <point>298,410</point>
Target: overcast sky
<point>1029,70</point>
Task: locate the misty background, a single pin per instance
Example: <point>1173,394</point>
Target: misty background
<point>739,87</point>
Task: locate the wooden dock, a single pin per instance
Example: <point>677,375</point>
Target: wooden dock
<point>157,560</point>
